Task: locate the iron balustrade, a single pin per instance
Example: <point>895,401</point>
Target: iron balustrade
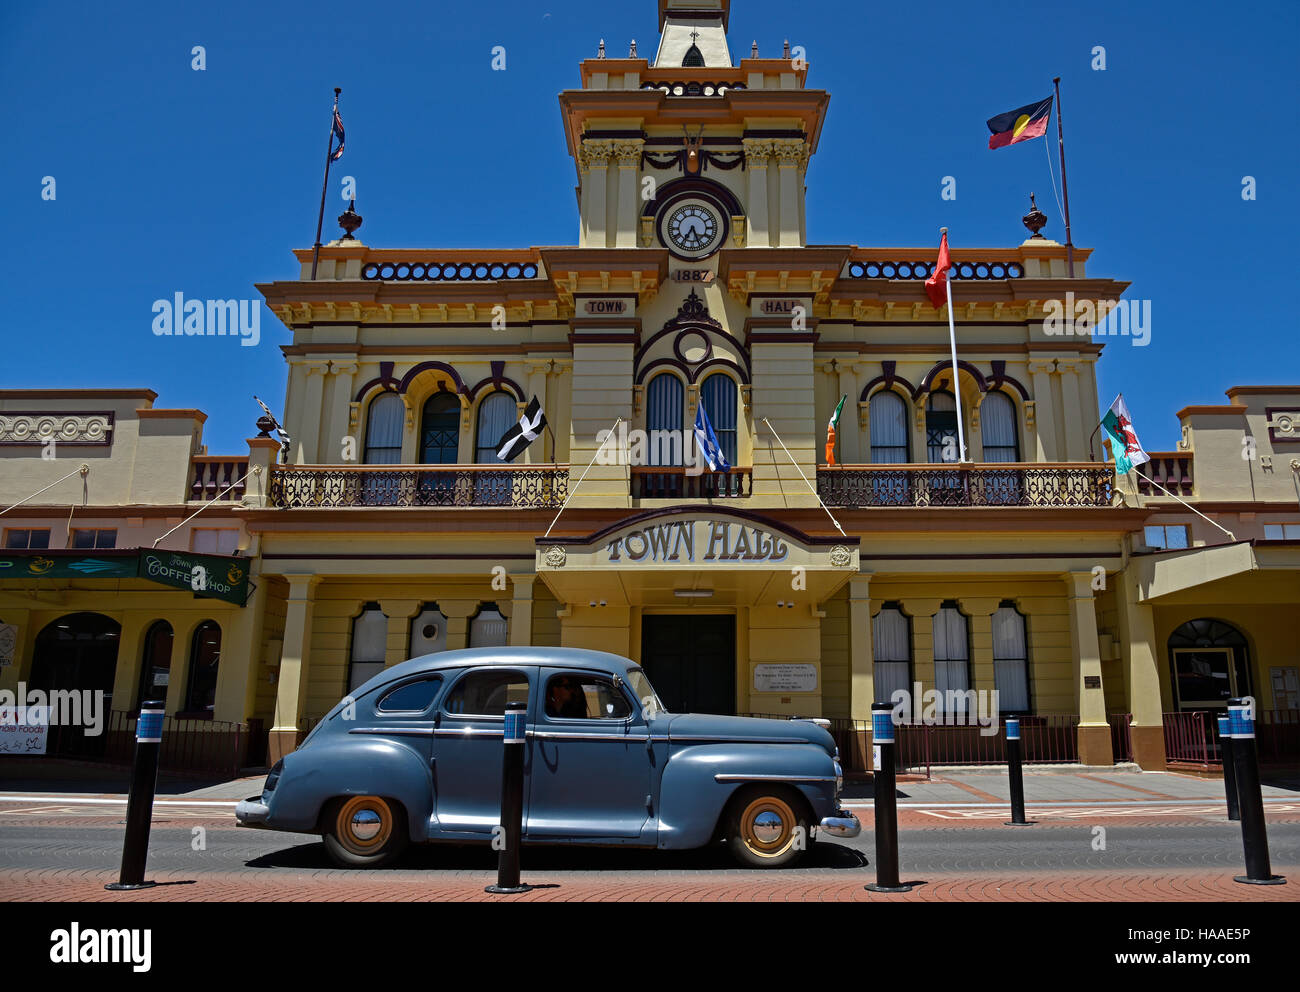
<point>673,482</point>
<point>337,487</point>
<point>983,485</point>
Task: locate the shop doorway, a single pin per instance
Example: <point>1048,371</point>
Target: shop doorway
<point>691,661</point>
<point>77,652</point>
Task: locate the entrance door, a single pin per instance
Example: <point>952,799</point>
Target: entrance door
<point>691,661</point>
<point>77,652</point>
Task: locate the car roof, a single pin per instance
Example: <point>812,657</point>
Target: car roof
<point>599,661</point>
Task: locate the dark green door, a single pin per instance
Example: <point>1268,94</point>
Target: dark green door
<point>691,661</point>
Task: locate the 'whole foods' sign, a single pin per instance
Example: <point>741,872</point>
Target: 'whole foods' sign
<point>698,540</point>
<point>204,575</point>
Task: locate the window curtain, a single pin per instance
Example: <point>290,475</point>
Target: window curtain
<point>892,648</point>
<point>665,401</point>
<point>888,416</point>
<point>496,415</point>
<point>1010,660</point>
<point>998,427</point>
<point>718,394</point>
<point>384,430</point>
<point>369,644</point>
<point>488,630</point>
<point>951,654</point>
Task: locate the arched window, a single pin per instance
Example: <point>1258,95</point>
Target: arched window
<point>1210,664</point>
<point>369,641</point>
<point>1010,659</point>
<point>665,401</point>
<point>428,632</point>
<point>384,421</point>
<point>496,415</point>
<point>205,658</point>
<point>888,415</point>
<point>155,668</point>
<point>952,657</point>
<point>440,430</point>
<point>694,58</point>
<point>998,428</point>
<point>489,628</point>
<point>718,395</point>
<point>941,427</point>
<point>891,641</point>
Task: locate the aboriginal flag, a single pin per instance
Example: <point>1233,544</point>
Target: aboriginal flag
<point>1020,124</point>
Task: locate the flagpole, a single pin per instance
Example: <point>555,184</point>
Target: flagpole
<point>612,431</point>
<point>320,218</point>
<point>952,341</point>
<point>1065,189</point>
<point>804,477</point>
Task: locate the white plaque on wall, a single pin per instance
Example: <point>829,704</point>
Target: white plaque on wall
<point>785,678</point>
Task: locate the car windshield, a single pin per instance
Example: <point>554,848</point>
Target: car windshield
<point>645,692</point>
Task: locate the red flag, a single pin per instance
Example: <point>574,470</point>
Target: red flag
<point>936,285</point>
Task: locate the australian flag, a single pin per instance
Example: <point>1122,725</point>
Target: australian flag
<point>338,133</point>
<point>707,442</point>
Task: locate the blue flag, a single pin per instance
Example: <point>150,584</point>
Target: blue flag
<point>707,442</point>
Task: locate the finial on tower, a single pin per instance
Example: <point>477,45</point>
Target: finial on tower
<point>753,51</point>
<point>785,54</point>
<point>1035,220</point>
<point>600,52</point>
<point>631,52</point>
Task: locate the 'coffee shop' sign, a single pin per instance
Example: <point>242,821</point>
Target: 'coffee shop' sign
<point>683,540</point>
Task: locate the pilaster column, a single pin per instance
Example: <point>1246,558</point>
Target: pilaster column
<point>130,651</point>
<point>979,612</point>
<point>400,613</point>
<point>342,375</point>
<point>849,437</point>
<point>295,665</point>
<point>790,155</point>
<point>1074,427</point>
<point>593,161</point>
<point>1045,411</point>
<point>1094,730</point>
<point>521,609</point>
<point>922,613</point>
<point>1142,674</point>
<point>628,154</point>
<point>757,155</point>
<point>862,675</point>
<point>458,612</point>
<point>537,372</point>
<point>307,436</point>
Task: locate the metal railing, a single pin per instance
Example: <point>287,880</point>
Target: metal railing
<point>985,485</point>
<point>332,487</point>
<point>1191,738</point>
<point>672,482</point>
<point>212,475</point>
<point>189,745</point>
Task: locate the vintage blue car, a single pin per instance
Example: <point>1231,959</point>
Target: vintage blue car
<point>415,755</point>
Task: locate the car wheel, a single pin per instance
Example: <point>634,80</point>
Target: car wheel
<point>766,828</point>
<point>364,831</point>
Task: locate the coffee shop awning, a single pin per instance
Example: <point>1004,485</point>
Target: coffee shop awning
<point>696,554</point>
<point>211,576</point>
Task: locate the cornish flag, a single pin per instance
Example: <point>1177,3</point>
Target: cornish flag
<point>338,133</point>
<point>524,433</point>
<point>284,438</point>
<point>707,442</point>
<point>1124,443</point>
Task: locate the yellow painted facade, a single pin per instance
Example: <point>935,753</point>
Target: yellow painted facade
<point>389,526</point>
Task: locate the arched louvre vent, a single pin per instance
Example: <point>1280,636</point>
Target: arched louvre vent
<point>694,58</point>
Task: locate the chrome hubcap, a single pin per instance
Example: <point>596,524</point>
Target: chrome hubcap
<point>767,827</point>
<point>365,824</point>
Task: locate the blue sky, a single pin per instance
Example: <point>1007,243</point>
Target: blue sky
<point>173,180</point>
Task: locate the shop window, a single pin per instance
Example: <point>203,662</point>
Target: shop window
<point>951,656</point>
<point>585,697</point>
<point>92,539</point>
<point>384,421</point>
<point>487,693</point>
<point>1278,532</point>
<point>369,644</point>
<point>205,658</point>
<point>1010,659</point>
<point>1210,664</point>
<point>998,428</point>
<point>214,540</point>
<point>888,416</point>
<point>891,643</point>
<point>155,670</point>
<point>1167,537</point>
<point>33,538</point>
<point>428,632</point>
<point>489,628</point>
<point>665,401</point>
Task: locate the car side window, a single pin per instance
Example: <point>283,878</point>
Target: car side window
<point>414,697</point>
<point>487,693</point>
<point>585,697</point>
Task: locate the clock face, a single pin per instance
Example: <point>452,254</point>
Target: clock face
<point>692,229</point>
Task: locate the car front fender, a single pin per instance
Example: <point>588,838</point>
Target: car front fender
<point>699,780</point>
<point>350,767</point>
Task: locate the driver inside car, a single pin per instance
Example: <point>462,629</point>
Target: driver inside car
<point>565,698</point>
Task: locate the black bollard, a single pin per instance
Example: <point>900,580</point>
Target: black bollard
<point>139,803</point>
<point>886,802</point>
<point>512,803</point>
<point>1229,772</point>
<point>1241,728</point>
<point>1015,775</point>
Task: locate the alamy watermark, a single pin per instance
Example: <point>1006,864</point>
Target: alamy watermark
<point>1100,318</point>
<point>179,317</point>
<point>37,708</point>
<point>947,707</point>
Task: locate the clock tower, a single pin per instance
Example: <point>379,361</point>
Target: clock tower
<point>694,152</point>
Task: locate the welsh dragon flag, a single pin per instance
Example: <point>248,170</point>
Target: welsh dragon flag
<point>1124,443</point>
<point>830,431</point>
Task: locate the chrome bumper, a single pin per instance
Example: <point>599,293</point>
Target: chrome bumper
<point>842,824</point>
<point>251,812</point>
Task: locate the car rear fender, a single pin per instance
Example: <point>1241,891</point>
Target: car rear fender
<point>700,779</point>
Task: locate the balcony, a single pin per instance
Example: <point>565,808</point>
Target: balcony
<point>216,475</point>
<point>1171,469</point>
<point>672,482</point>
<point>523,487</point>
<point>1048,486</point>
